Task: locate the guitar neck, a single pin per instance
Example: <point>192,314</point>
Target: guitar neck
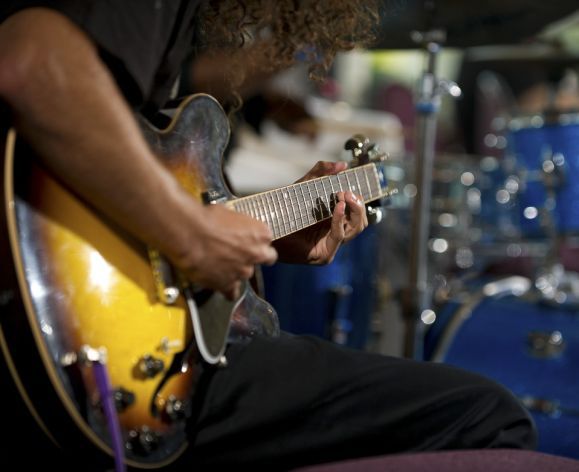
<point>294,207</point>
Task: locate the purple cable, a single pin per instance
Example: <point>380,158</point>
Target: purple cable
<point>106,394</point>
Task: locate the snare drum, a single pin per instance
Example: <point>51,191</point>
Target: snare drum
<point>546,150</point>
<point>531,348</point>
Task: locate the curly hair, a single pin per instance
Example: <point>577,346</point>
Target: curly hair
<point>312,31</point>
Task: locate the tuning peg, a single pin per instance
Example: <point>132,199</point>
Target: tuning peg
<point>376,155</point>
<point>357,144</point>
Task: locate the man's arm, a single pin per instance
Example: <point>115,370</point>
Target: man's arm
<point>69,108</point>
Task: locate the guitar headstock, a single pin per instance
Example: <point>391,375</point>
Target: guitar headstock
<point>365,152</point>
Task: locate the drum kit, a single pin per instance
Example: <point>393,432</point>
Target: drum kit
<point>504,299</point>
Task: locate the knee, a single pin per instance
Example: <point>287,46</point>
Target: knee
<point>499,419</point>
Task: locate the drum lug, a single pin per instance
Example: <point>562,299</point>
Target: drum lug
<point>542,405</point>
<point>546,344</point>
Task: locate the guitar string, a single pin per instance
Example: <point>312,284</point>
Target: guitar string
<point>272,206</point>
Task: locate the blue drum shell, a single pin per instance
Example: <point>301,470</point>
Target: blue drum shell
<point>533,139</point>
<point>495,340</point>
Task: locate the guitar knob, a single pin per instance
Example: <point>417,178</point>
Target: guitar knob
<point>123,398</point>
<point>143,441</point>
<point>176,409</point>
<point>150,366</point>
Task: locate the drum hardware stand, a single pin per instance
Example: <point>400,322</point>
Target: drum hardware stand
<point>555,284</point>
<point>416,296</point>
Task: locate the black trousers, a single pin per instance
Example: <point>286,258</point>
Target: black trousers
<point>295,400</point>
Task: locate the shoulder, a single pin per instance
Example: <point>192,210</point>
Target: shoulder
<point>133,36</point>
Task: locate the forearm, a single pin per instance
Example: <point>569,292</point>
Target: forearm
<point>66,104</point>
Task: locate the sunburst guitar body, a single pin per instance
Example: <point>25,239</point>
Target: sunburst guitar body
<point>102,339</point>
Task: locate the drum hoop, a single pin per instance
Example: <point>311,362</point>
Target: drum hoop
<point>460,315</point>
<point>513,285</point>
<point>547,118</point>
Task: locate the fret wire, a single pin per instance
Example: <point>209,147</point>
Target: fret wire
<point>259,206</point>
<point>300,221</point>
<point>253,213</point>
<point>336,180</point>
<point>283,218</point>
<point>332,178</point>
<point>278,214</point>
<point>327,194</point>
<point>293,202</point>
<point>343,183</point>
<point>266,215</point>
<point>248,208</point>
<point>332,194</point>
<point>242,207</point>
<point>286,214</point>
<point>378,183</point>
<point>321,197</point>
<point>353,186</point>
<point>331,184</point>
<point>348,181</point>
<point>364,180</point>
<point>339,183</point>
<point>273,215</point>
<point>288,208</point>
<point>308,202</point>
<point>254,208</point>
<point>291,221</point>
<point>372,171</point>
<point>311,202</point>
<point>368,182</point>
<point>305,214</point>
<point>360,190</point>
<point>237,206</point>
<point>377,187</point>
<point>317,200</point>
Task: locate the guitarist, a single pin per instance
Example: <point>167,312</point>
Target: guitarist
<point>74,72</point>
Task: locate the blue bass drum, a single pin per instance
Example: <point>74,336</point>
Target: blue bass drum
<point>530,347</point>
<point>546,150</point>
<point>333,301</point>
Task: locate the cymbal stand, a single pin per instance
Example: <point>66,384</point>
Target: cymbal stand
<point>554,282</point>
<point>416,298</point>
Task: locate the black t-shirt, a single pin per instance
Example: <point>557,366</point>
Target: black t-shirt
<point>143,42</point>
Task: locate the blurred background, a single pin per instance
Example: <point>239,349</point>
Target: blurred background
<point>474,261</point>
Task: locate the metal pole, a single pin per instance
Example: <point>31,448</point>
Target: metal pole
<point>417,296</point>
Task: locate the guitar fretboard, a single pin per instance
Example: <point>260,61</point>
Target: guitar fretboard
<point>288,209</point>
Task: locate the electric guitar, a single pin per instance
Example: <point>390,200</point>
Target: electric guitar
<point>104,341</point>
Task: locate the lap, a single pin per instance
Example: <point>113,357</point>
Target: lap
<point>303,399</point>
